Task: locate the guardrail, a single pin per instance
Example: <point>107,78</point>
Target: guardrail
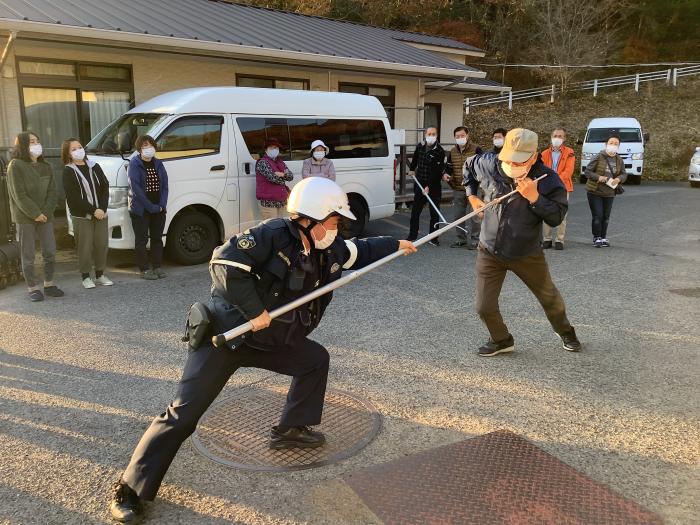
<point>669,76</point>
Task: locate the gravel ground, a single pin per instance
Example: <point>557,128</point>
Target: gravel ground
<point>81,377</point>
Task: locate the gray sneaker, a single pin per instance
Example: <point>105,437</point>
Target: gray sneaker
<point>149,275</point>
<point>159,272</point>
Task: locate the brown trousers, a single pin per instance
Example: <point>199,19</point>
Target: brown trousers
<point>534,272</point>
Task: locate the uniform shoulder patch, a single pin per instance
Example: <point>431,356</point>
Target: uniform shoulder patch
<point>335,267</point>
<point>246,242</point>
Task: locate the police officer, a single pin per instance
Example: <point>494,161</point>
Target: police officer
<point>253,273</point>
<point>511,234</point>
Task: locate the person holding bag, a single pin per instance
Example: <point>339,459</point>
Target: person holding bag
<point>605,173</point>
<point>33,199</point>
<point>87,197</point>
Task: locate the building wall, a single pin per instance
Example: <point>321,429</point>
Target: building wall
<point>452,111</point>
<point>157,72</point>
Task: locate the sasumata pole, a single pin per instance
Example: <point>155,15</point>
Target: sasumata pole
<point>220,340</point>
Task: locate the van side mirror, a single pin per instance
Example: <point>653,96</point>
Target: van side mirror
<point>124,142</point>
<point>646,137</point>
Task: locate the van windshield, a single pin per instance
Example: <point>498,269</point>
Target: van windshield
<point>127,127</point>
<point>625,134</point>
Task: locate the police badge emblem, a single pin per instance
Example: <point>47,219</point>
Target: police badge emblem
<point>335,267</point>
<point>246,242</point>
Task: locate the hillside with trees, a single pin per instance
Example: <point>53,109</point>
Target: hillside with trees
<point>537,32</point>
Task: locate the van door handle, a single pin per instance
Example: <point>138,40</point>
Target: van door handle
<point>246,168</point>
<point>218,167</point>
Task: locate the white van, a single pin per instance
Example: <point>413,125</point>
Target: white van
<point>632,142</point>
<point>209,139</point>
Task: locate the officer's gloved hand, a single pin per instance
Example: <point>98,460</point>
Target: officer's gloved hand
<point>261,322</point>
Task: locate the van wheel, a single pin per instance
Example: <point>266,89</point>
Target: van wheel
<point>191,238</point>
<point>694,184</point>
<point>355,228</point>
<point>634,180</point>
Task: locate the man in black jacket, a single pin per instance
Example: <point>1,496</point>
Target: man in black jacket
<point>261,269</point>
<point>427,164</point>
<point>511,234</point>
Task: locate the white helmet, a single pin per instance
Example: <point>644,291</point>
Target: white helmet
<point>318,198</point>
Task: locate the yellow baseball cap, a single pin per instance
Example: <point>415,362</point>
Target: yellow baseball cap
<point>520,144</point>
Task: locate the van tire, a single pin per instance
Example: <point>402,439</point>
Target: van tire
<point>634,180</point>
<point>192,237</point>
<point>694,184</point>
<point>355,228</point>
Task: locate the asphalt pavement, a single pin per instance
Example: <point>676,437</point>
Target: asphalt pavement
<point>81,377</point>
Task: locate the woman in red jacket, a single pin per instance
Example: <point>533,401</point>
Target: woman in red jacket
<point>561,159</point>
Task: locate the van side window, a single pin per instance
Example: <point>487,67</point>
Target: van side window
<point>191,137</point>
<point>256,130</point>
<point>345,138</point>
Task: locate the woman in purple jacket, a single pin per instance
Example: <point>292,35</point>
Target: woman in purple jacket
<point>148,199</point>
<point>271,174</point>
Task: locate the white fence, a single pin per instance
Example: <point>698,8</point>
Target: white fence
<point>669,76</point>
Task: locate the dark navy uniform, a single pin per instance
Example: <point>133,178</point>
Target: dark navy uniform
<point>258,270</point>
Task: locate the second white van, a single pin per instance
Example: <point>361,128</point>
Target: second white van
<point>210,138</point>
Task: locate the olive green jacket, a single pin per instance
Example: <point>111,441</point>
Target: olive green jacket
<point>32,190</point>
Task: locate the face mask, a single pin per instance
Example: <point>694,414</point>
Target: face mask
<point>514,172</point>
<point>557,142</point>
<point>498,143</point>
<point>430,140</point>
<point>273,152</point>
<point>318,155</point>
<point>611,149</point>
<point>35,150</point>
<point>461,141</point>
<point>78,154</point>
<point>327,239</point>
<point>148,153</point>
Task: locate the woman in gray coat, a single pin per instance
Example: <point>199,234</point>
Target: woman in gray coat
<point>319,165</point>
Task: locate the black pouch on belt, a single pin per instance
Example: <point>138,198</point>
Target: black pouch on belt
<point>197,325</point>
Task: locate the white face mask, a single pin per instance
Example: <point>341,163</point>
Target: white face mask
<point>78,154</point>
<point>327,239</point>
<point>273,152</point>
<point>611,149</point>
<point>461,141</point>
<point>148,153</point>
<point>430,139</point>
<point>498,143</point>
<point>35,150</point>
<point>318,155</point>
<point>557,142</point>
<point>514,172</point>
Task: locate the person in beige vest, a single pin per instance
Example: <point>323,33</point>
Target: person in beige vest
<point>453,176</point>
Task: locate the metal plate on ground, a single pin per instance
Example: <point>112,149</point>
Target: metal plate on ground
<point>498,478</point>
<point>236,430</point>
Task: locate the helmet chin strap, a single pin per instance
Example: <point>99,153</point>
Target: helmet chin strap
<point>306,230</point>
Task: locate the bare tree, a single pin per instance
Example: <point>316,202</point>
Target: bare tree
<point>574,32</point>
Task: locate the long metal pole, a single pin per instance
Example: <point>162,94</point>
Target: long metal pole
<point>432,203</point>
<point>220,340</point>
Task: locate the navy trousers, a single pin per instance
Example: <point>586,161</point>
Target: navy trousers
<point>206,372</point>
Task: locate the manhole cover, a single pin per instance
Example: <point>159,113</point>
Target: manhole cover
<point>235,431</point>
<point>687,292</point>
<point>498,478</point>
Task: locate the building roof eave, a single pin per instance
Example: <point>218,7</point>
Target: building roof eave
<point>232,50</point>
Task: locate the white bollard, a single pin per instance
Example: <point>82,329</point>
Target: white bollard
<point>551,99</point>
<point>510,100</point>
<point>595,87</point>
<point>636,82</point>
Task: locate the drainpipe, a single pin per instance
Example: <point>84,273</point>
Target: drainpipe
<point>4,139</point>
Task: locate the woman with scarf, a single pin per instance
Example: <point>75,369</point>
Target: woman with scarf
<point>87,197</point>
